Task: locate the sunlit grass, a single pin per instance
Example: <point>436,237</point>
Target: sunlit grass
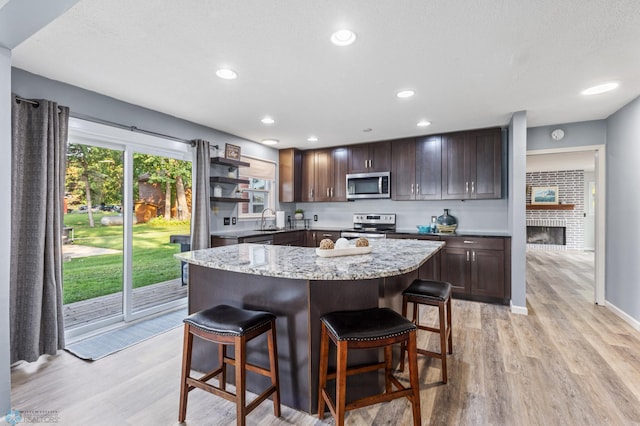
<point>153,261</point>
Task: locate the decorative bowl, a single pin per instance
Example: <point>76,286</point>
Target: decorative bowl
<point>446,229</point>
<point>424,229</point>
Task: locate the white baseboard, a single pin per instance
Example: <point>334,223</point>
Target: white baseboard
<point>622,314</point>
<point>522,310</point>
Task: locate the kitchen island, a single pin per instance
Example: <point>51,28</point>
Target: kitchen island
<point>298,286</point>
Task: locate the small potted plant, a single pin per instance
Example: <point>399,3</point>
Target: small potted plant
<point>299,214</point>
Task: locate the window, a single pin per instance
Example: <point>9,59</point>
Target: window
<point>260,190</point>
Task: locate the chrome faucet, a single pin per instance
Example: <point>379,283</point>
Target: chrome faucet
<point>263,221</point>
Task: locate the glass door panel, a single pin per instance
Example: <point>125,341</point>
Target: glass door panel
<point>93,235</point>
<point>161,208</point>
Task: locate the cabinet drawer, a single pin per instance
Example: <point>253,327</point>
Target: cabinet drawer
<point>474,243</point>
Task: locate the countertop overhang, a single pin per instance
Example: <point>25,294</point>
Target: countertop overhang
<point>388,257</point>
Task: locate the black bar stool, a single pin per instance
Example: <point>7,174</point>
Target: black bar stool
<point>431,293</point>
<point>227,325</point>
<point>364,329</point>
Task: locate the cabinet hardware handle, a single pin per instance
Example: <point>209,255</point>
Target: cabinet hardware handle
<point>469,242</point>
<point>473,256</point>
<point>417,188</point>
<point>411,189</point>
<point>327,191</point>
<point>332,192</point>
<point>467,255</point>
<point>327,235</point>
<point>366,164</point>
<point>473,187</point>
<point>466,186</point>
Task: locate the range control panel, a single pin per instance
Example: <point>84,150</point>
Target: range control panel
<point>374,218</point>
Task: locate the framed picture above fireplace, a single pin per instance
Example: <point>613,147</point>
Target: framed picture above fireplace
<point>544,195</point>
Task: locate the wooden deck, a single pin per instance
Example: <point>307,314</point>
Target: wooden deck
<point>86,311</point>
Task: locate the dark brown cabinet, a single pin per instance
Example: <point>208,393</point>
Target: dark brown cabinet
<point>289,175</point>
<point>289,238</point>
<point>477,267</point>
<point>370,157</point>
<point>472,165</point>
<point>323,175</point>
<point>314,237</point>
<point>416,169</point>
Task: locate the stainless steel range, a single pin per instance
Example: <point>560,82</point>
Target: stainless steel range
<point>371,225</point>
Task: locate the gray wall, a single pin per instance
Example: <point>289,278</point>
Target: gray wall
<point>95,105</point>
<point>584,133</point>
<point>5,228</point>
<point>623,209</point>
<point>516,220</point>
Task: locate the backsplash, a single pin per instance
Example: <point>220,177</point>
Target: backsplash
<point>570,191</point>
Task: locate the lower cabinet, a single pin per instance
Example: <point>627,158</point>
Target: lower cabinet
<point>477,267</point>
<point>289,238</point>
<point>314,237</point>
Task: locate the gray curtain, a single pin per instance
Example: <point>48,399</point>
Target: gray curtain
<point>200,215</point>
<point>38,154</point>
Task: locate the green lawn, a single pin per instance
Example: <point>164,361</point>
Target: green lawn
<point>153,261</point>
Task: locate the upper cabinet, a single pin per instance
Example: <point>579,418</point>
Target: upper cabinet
<point>472,165</point>
<point>370,157</point>
<point>416,169</point>
<point>323,175</point>
<point>459,166</point>
<point>289,175</point>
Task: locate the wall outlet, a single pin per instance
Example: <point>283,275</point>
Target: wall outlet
<point>227,220</point>
<point>315,217</point>
<point>234,220</point>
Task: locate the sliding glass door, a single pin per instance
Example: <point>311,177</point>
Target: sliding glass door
<point>126,194</point>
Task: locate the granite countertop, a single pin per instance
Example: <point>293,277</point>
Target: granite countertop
<point>244,233</point>
<point>388,257</point>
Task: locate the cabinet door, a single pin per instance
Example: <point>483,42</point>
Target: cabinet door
<point>454,269</point>
<point>428,168</point>
<point>308,176</point>
<point>430,270</point>
<point>323,175</point>
<point>486,171</point>
<point>455,163</point>
<point>359,158</point>
<point>339,166</point>
<point>487,273</point>
<point>403,167</point>
<point>380,156</point>
<point>289,170</point>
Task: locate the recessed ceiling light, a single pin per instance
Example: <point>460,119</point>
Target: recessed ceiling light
<point>227,74</point>
<point>424,123</point>
<point>600,88</point>
<point>368,129</point>
<point>343,37</point>
<point>405,93</point>
<point>270,141</point>
<point>268,120</point>
<point>312,139</point>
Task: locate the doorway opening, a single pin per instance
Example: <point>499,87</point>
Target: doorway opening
<point>590,160</point>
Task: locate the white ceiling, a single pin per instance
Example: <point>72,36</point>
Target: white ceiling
<point>471,63</point>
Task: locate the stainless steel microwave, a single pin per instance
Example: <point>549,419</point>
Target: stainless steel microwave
<point>368,185</point>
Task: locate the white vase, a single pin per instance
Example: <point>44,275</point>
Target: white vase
<point>298,216</point>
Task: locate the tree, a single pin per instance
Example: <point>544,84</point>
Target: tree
<point>94,173</point>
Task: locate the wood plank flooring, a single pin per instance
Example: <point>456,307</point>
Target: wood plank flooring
<point>569,362</point>
<point>86,311</point>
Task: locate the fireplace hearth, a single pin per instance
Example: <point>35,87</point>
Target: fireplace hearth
<point>550,235</point>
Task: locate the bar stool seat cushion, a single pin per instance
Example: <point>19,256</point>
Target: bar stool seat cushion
<point>367,324</point>
<point>438,290</point>
<point>228,321</point>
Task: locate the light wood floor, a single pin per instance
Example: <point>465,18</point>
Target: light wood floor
<point>568,362</point>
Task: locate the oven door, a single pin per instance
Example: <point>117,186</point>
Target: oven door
<point>350,235</point>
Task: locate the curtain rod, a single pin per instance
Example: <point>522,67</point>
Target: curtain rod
<point>113,124</point>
